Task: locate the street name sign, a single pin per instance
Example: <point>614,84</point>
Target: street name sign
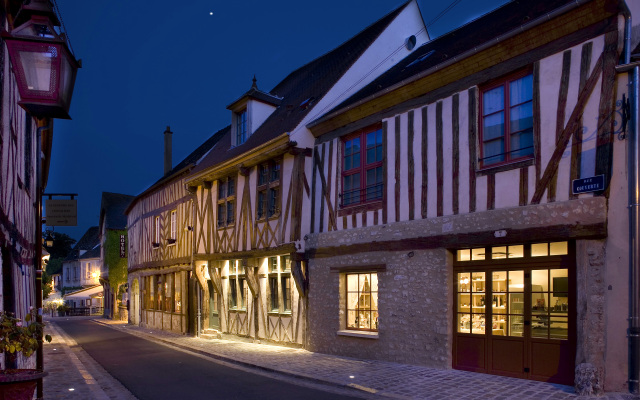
<point>61,212</point>
<point>586,185</point>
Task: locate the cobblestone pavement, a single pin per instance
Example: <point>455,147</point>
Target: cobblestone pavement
<point>73,374</point>
<point>374,378</point>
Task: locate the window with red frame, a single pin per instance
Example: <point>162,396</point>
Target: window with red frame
<point>506,118</point>
<point>362,167</point>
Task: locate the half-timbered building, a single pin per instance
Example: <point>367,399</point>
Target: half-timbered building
<point>468,207</point>
<point>160,227</point>
<point>248,208</point>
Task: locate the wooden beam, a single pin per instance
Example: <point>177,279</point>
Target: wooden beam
<point>572,125</point>
<point>455,156</point>
<point>560,115</point>
<point>439,159</point>
<point>576,140</point>
<point>398,176</point>
<point>473,153</point>
<point>411,165</point>
<point>424,146</point>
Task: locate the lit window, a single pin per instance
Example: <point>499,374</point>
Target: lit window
<point>506,129</point>
<point>237,285</point>
<point>156,231</point>
<point>174,228</point>
<point>362,301</point>
<point>279,284</point>
<point>362,167</point>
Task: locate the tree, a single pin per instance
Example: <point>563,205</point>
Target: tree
<point>62,244</point>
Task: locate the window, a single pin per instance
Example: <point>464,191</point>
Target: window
<point>268,189</point>
<point>362,173</point>
<point>156,231</point>
<point>152,291</point>
<point>362,301</point>
<point>159,292</point>
<point>88,269</point>
<point>226,201</point>
<point>177,294</point>
<point>507,120</point>
<point>168,292</point>
<point>279,284</point>
<point>241,127</point>
<point>237,286</point>
<point>174,228</point>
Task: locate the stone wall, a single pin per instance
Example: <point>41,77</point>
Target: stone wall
<point>414,308</point>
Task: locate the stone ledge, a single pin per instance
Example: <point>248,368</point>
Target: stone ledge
<point>358,334</point>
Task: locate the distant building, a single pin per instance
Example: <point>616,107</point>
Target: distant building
<point>113,253</point>
<point>81,268</point>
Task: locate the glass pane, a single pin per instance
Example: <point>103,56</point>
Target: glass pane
<point>540,326</point>
<point>371,155</point>
<point>522,144</point>
<point>477,254</point>
<point>464,323</point>
<point>559,327</point>
<point>521,117</point>
<point>516,325</point>
<point>539,249</point>
<point>493,126</point>
<point>351,319</point>
<point>516,251</point>
<point>499,281</point>
<point>539,303</point>
<point>464,300</point>
<point>493,151</point>
<point>348,163</point>
<point>558,248</point>
<point>364,318</point>
<point>352,300</point>
<point>37,68</point>
<point>356,160</point>
<point>478,282</point>
<point>374,316</point>
<point>499,303</point>
<point>540,280</point>
<point>499,252</point>
<point>352,283</point>
<point>499,325</point>
<point>374,283</point>
<point>493,100</point>
<point>374,301</point>
<point>464,255</point>
<point>477,324</point>
<point>516,303</point>
<point>521,90</point>
<point>463,282</point>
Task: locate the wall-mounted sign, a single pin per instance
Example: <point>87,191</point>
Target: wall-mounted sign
<point>123,246</point>
<point>586,185</point>
<point>61,212</point>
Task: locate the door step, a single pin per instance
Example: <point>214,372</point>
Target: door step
<point>210,334</point>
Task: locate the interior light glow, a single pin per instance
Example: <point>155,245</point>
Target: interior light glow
<point>351,376</point>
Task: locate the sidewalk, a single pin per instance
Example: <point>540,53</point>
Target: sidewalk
<point>377,378</point>
<point>73,374</point>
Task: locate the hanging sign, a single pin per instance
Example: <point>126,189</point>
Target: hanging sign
<point>123,246</point>
<point>586,185</point>
<point>61,212</point>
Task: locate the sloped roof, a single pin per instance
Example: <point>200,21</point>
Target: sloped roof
<point>482,30</point>
<point>300,90</point>
<point>93,253</point>
<point>88,241</point>
<point>112,210</point>
<point>184,165</point>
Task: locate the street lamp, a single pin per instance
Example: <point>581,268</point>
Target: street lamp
<point>43,65</point>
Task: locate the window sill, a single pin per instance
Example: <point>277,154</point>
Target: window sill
<point>492,169</point>
<point>276,312</point>
<point>358,208</point>
<point>240,310</point>
<point>358,334</point>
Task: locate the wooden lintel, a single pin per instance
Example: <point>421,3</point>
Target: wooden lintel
<point>294,151</point>
<point>288,248</point>
<point>460,240</point>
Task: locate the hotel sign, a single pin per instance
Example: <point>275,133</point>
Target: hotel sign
<point>123,246</point>
<point>586,185</point>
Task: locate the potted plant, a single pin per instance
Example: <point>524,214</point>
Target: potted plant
<point>17,336</point>
<point>62,310</point>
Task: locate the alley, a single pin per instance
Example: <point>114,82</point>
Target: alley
<point>153,371</point>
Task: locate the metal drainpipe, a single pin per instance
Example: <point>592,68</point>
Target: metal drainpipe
<point>634,216</point>
<point>37,258</point>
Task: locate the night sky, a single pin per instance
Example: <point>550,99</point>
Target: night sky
<point>149,64</point>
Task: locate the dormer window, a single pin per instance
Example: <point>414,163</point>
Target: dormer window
<point>241,127</point>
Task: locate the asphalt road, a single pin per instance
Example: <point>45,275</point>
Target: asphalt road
<point>153,371</point>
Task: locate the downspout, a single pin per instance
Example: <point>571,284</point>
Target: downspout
<point>37,258</point>
<point>634,221</point>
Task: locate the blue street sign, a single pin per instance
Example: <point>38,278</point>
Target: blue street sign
<point>586,185</point>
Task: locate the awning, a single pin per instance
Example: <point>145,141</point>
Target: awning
<point>84,293</point>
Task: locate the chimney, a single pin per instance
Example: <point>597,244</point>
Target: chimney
<point>167,150</point>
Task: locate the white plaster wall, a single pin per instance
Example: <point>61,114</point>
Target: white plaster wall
<point>404,166</point>
<point>257,112</point>
<point>507,189</point>
<point>432,189</point>
<point>391,170</point>
<point>463,176</point>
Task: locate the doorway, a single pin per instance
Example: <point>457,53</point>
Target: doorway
<point>515,316</point>
<point>214,308</point>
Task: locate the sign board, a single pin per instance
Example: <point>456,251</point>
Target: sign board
<point>123,246</point>
<point>61,212</point>
<point>586,185</point>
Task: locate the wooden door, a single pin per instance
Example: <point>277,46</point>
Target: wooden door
<point>214,308</point>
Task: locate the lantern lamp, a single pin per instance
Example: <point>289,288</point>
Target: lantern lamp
<point>44,67</point>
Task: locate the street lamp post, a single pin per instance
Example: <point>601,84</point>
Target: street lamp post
<point>45,71</point>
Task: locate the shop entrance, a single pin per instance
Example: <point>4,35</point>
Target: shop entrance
<point>515,312</point>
